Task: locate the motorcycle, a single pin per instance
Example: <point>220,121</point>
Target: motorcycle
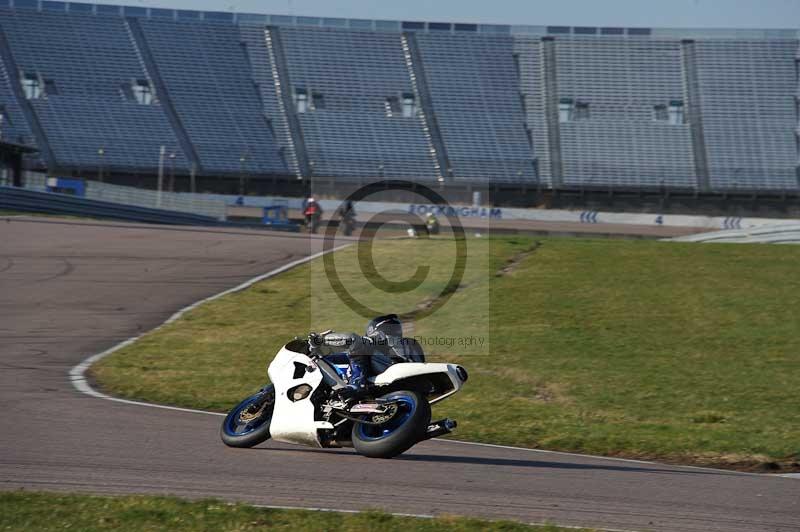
<point>348,223</point>
<point>302,406</point>
<point>432,226</point>
<point>312,222</point>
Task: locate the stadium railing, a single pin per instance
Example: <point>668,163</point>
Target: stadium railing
<point>25,200</point>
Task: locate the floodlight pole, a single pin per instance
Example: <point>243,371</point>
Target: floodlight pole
<point>242,160</point>
<point>101,153</point>
<point>172,171</point>
<point>192,174</point>
<point>311,178</point>
<point>161,154</point>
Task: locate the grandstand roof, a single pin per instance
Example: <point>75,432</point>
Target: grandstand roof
<point>397,25</point>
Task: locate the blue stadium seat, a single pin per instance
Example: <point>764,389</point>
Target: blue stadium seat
<point>353,136</point>
<point>749,114</point>
<point>475,93</point>
<point>89,59</point>
<point>620,144</point>
<point>208,77</point>
<point>14,128</point>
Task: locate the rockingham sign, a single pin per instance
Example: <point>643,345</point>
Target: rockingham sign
<point>495,213</point>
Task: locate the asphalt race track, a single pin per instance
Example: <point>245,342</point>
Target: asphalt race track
<point>69,289</point>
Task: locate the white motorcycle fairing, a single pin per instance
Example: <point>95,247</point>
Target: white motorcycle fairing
<point>447,386</point>
<point>293,421</point>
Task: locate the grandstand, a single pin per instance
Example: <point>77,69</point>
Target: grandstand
<point>99,89</point>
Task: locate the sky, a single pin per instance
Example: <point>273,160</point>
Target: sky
<point>643,13</point>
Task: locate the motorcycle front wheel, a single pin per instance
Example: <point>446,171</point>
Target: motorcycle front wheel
<point>404,428</point>
<point>247,424</point>
<point>311,224</point>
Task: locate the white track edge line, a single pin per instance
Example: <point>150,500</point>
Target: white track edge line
<point>421,516</point>
<point>77,376</point>
<point>334,510</point>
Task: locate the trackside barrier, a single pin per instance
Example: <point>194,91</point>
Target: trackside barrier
<point>788,233</point>
<point>138,197</point>
<point>513,213</point>
<point>217,205</point>
<point>17,199</point>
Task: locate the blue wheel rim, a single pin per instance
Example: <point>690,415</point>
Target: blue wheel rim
<point>406,408</point>
<point>235,426</point>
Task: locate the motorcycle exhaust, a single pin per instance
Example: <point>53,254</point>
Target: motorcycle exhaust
<point>439,428</point>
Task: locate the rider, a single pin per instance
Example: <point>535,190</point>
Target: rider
<point>346,210</point>
<point>382,346</point>
<point>432,224</point>
<point>311,210</point>
<point>347,215</point>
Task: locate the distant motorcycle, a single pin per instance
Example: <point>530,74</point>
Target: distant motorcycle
<point>301,405</point>
<point>312,212</point>
<point>312,222</point>
<point>347,217</point>
<point>348,224</point>
<point>432,225</point>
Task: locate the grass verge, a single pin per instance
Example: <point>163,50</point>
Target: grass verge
<point>40,512</point>
<point>683,353</point>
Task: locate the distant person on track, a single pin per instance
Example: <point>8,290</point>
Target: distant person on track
<point>347,217</point>
<point>432,224</point>
<point>312,212</point>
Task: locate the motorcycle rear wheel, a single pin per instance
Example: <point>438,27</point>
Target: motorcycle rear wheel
<point>247,424</point>
<point>399,433</point>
